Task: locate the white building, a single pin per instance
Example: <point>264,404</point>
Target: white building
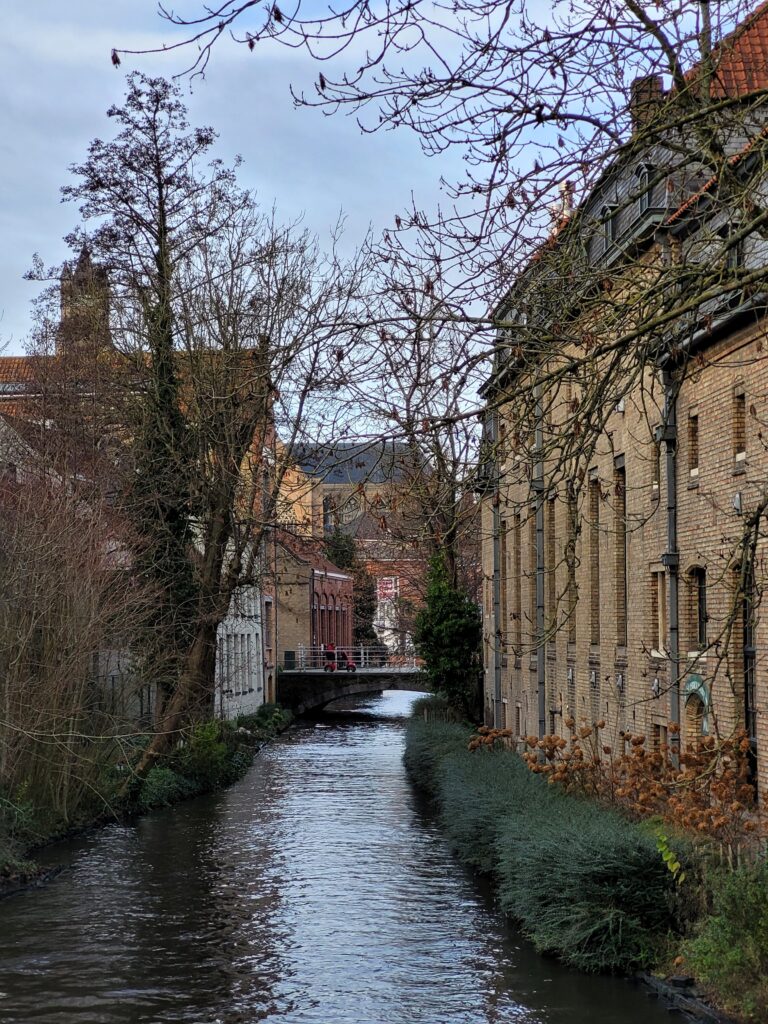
<point>240,657</point>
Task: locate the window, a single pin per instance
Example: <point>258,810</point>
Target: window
<point>571,689</point>
<point>620,532</point>
<point>644,188</point>
<point>739,425</point>
<point>695,720</point>
<point>570,558</point>
<point>267,627</point>
<point>734,251</point>
<point>659,737</point>
<point>658,616</point>
<point>532,580</point>
<point>328,513</point>
<point>517,583</point>
<point>503,582</point>
<point>693,446</point>
<point>551,570</point>
<point>610,222</point>
<point>697,604</point>
<point>594,560</point>
<point>656,470</point>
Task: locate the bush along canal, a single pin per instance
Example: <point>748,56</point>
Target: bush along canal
<point>318,889</point>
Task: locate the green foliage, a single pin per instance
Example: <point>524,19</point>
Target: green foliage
<point>427,745</point>
<point>669,857</point>
<point>341,549</point>
<point>206,756</point>
<point>162,787</point>
<point>730,953</point>
<point>213,754</point>
<point>18,830</point>
<point>437,707</point>
<point>268,721</point>
<point>584,883</point>
<point>447,635</point>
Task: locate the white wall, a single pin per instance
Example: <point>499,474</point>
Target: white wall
<point>239,656</point>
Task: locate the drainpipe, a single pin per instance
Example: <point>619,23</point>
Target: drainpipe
<point>496,532</point>
<point>538,490</point>
<point>671,558</point>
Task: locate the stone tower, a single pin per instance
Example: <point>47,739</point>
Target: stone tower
<point>84,323</point>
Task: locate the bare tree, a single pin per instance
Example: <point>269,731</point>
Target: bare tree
<point>611,219</point>
<point>224,327</point>
<point>70,613</point>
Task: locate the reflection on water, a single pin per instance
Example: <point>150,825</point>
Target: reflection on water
<point>319,890</point>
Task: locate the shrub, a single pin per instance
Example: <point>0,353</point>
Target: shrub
<point>426,746</point>
<point>436,707</point>
<point>162,787</point>
<point>730,953</point>
<point>585,883</point>
<point>476,795</point>
<point>268,721</point>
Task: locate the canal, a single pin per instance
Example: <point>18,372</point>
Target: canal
<point>318,890</point>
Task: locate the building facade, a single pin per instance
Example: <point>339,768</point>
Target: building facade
<point>624,526</point>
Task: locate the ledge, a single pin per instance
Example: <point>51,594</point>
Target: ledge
<point>682,995</point>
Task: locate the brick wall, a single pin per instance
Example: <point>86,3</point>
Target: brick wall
<point>606,658</point>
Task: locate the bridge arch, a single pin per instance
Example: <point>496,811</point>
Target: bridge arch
<point>304,691</point>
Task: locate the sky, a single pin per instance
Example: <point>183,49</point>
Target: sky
<point>57,81</point>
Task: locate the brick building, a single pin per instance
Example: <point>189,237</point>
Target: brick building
<point>624,585</point>
<point>362,488</point>
<point>313,601</point>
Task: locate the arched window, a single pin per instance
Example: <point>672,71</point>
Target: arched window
<point>644,187</point>
<point>323,620</point>
<point>695,719</point>
<point>696,710</point>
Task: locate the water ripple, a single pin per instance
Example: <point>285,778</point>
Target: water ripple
<point>319,890</point>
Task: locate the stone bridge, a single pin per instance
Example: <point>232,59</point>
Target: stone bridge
<point>311,689</point>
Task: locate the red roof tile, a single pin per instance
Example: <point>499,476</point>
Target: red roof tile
<point>741,57</point>
<point>17,369</point>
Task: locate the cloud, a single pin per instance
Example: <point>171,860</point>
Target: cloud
<point>57,82</point>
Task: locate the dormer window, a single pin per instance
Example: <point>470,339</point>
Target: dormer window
<point>610,221</point>
<point>644,187</point>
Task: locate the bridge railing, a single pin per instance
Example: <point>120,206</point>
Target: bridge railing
<point>364,657</point>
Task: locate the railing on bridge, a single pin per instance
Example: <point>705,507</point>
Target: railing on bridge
<point>364,657</point>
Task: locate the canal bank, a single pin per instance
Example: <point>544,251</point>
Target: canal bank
<point>590,886</point>
<point>213,755</point>
<point>319,889</point>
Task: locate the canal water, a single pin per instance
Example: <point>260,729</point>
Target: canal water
<point>318,890</point>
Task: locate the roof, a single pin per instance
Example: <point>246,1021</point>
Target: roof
<point>708,185</point>
<point>741,57</point>
<point>354,462</point>
<point>16,372</point>
<point>308,551</point>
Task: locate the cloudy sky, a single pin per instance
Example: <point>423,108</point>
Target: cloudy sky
<point>57,81</point>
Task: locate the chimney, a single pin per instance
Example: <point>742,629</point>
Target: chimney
<point>645,98</point>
